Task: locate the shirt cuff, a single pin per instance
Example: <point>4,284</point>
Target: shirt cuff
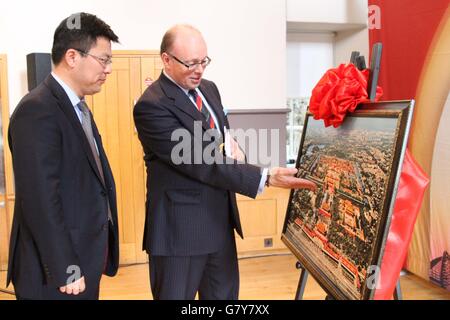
<point>262,183</point>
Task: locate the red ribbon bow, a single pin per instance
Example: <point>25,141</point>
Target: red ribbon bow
<point>339,91</point>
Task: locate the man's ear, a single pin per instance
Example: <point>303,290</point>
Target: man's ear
<point>71,56</point>
<point>165,59</point>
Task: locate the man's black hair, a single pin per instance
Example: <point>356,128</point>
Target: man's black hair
<point>79,31</point>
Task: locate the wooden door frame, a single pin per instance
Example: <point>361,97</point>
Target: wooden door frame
<point>9,186</point>
<point>5,123</point>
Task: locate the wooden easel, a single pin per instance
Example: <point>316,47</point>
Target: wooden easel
<point>374,68</point>
<point>360,63</point>
<point>304,277</point>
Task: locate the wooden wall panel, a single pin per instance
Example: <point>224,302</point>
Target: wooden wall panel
<point>262,222</point>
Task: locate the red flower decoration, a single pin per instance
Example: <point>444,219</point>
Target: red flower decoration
<point>339,91</point>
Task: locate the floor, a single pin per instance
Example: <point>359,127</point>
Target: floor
<point>262,278</point>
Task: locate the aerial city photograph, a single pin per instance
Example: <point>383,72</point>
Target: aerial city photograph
<point>337,226</point>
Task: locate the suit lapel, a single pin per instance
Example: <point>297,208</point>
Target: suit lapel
<point>181,100</point>
<point>183,103</point>
<point>66,106</point>
<point>214,103</point>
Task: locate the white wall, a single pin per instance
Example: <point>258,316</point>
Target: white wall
<point>345,19</point>
<point>246,39</point>
<point>308,57</point>
<point>327,11</point>
<point>348,41</point>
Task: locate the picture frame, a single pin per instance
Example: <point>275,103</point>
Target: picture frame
<point>339,231</point>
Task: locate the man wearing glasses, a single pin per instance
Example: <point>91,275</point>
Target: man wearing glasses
<point>191,207</point>
<point>64,234</point>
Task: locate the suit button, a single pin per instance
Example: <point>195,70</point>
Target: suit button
<point>103,193</point>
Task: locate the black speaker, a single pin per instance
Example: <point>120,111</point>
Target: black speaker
<point>39,66</point>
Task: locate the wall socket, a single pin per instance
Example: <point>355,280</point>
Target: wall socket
<point>268,243</point>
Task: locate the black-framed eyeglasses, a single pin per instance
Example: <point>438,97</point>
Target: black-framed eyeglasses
<point>103,61</point>
<point>192,66</point>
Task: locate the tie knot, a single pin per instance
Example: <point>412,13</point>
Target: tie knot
<point>83,106</point>
<point>193,93</point>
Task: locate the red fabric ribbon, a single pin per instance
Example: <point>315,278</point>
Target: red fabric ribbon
<point>338,92</point>
<point>411,189</point>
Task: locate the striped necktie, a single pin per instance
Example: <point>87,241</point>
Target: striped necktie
<point>203,109</point>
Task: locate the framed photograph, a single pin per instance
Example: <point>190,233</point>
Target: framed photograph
<point>339,231</point>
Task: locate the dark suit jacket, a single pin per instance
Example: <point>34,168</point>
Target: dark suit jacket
<point>60,213</point>
<point>191,208</point>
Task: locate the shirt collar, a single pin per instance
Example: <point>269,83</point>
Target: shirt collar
<point>74,99</point>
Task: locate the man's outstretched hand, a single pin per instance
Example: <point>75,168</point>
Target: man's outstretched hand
<point>284,178</point>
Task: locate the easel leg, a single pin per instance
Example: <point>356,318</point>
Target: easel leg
<point>398,291</point>
<point>302,281</point>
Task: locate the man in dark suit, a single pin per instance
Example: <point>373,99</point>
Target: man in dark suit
<point>191,210</point>
<point>64,234</point>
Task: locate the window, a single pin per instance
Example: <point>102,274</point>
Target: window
<point>309,55</point>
